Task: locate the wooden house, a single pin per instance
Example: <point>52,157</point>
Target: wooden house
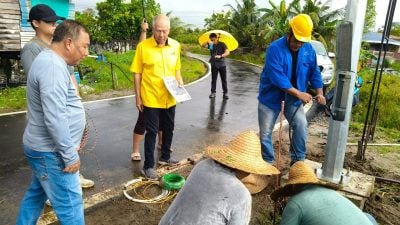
<point>15,30</point>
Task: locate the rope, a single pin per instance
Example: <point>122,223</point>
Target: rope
<point>165,195</point>
<point>86,134</point>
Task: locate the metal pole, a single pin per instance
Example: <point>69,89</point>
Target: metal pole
<point>348,46</point>
<point>112,76</point>
<point>144,15</point>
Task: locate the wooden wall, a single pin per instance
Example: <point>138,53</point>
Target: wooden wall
<point>10,15</point>
<point>15,30</point>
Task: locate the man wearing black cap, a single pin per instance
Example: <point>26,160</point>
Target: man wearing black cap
<point>43,20</point>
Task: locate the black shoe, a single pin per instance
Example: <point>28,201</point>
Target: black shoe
<point>225,96</point>
<point>212,95</point>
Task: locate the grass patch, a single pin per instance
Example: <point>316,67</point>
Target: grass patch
<point>388,102</point>
<point>12,99</point>
<point>97,78</point>
<point>98,74</point>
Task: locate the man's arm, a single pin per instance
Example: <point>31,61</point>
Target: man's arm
<point>223,55</point>
<point>143,30</point>
<point>53,94</point>
<point>303,96</point>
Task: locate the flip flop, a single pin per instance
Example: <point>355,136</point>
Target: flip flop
<point>135,157</point>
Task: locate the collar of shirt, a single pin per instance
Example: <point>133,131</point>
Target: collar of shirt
<point>155,43</point>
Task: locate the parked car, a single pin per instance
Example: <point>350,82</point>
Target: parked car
<point>324,62</point>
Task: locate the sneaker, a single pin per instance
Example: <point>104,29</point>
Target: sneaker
<point>212,95</point>
<point>85,183</point>
<point>149,173</point>
<point>225,96</point>
<point>169,162</point>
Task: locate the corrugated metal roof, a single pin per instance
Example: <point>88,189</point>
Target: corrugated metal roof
<point>374,37</point>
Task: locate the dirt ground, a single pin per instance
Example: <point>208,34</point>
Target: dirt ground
<point>384,203</point>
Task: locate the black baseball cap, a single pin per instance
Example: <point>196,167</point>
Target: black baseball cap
<point>43,12</point>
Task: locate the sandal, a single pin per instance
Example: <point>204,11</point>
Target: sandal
<point>135,157</point>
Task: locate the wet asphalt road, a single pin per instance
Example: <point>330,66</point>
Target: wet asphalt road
<point>198,123</point>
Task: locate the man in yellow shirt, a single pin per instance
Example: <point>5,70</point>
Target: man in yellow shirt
<point>157,57</point>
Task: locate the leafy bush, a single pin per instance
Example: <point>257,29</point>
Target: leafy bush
<point>12,99</point>
<point>388,101</point>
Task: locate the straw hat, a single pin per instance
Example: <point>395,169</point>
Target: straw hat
<point>242,153</point>
<point>255,183</point>
<point>299,173</point>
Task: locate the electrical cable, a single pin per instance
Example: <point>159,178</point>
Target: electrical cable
<point>291,146</point>
<point>165,195</point>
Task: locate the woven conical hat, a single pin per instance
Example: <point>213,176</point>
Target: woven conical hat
<point>299,173</point>
<point>243,153</point>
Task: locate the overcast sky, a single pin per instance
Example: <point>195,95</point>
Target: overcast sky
<point>194,11</point>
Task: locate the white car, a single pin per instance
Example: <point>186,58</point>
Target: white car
<point>324,62</point>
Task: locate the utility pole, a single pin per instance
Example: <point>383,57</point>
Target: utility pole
<point>348,46</point>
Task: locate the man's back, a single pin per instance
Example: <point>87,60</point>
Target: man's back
<point>317,205</point>
<point>211,195</point>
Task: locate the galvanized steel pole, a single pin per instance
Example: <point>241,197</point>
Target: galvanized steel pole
<point>348,46</point>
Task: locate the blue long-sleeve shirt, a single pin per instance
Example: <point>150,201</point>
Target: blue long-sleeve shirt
<point>56,118</point>
<point>276,75</point>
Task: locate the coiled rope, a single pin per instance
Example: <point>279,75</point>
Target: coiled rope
<point>134,184</point>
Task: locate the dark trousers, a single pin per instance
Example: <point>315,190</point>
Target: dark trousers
<point>214,76</point>
<point>155,117</point>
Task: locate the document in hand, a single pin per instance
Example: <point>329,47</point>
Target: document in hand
<point>179,93</point>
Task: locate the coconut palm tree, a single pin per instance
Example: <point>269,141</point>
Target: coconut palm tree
<point>275,20</point>
<point>325,20</point>
<point>245,24</point>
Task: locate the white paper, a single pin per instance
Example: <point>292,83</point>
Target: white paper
<point>179,93</point>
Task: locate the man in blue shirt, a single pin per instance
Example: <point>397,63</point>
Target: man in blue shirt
<point>290,66</point>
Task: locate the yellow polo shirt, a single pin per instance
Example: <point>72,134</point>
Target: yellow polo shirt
<point>154,63</point>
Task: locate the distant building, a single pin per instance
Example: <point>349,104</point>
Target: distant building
<point>374,40</point>
<point>15,30</point>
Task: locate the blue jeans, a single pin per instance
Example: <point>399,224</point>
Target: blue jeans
<point>49,181</point>
<point>298,122</point>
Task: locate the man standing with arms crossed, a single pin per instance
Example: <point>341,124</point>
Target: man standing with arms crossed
<point>157,57</point>
<point>290,65</point>
<point>56,120</point>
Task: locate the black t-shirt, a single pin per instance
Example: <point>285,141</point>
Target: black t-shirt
<point>218,49</point>
<point>293,79</point>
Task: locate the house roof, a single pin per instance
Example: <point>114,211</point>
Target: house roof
<point>376,38</point>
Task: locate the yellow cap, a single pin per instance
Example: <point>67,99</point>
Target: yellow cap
<point>302,26</point>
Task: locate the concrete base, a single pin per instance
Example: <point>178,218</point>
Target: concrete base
<point>358,189</point>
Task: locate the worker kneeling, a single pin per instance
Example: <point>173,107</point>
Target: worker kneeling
<point>214,192</point>
<point>314,202</point>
